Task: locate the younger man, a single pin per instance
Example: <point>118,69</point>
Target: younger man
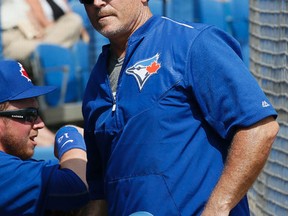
<point>27,186</point>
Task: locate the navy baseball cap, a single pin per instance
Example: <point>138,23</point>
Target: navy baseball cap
<point>15,83</point>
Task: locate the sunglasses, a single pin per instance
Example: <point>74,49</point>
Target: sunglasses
<point>30,114</point>
<point>86,1</point>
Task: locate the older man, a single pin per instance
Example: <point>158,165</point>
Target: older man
<point>175,124</point>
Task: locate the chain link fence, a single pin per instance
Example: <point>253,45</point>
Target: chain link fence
<point>269,63</point>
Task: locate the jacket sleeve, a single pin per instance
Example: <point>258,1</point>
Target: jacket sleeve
<point>95,178</point>
<point>228,94</point>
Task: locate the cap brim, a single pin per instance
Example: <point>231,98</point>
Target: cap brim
<point>34,91</point>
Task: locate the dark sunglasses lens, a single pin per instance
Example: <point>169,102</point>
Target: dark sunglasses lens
<point>87,1</point>
<point>31,115</point>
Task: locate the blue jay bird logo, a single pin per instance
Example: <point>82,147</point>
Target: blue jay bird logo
<point>143,69</point>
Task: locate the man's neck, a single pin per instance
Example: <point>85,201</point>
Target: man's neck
<point>119,43</point>
<point>118,50</point>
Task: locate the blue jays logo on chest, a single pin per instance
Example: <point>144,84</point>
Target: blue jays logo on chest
<point>144,69</point>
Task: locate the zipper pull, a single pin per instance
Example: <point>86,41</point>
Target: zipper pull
<point>114,107</point>
<point>114,102</point>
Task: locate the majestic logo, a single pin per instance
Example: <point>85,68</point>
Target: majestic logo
<point>24,73</point>
<point>142,70</point>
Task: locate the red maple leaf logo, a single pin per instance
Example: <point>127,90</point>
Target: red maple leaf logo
<point>153,68</point>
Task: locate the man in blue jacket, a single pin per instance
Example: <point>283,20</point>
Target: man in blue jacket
<point>28,186</point>
<point>175,124</point>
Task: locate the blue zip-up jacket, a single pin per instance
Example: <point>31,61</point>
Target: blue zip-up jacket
<point>29,187</point>
<point>161,144</point>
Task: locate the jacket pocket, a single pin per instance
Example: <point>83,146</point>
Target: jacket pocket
<point>148,193</point>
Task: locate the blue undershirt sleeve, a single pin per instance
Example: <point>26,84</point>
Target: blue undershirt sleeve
<point>66,191</point>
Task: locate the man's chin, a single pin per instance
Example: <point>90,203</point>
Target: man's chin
<point>27,155</point>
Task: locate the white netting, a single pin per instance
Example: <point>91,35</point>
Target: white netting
<point>269,64</point>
